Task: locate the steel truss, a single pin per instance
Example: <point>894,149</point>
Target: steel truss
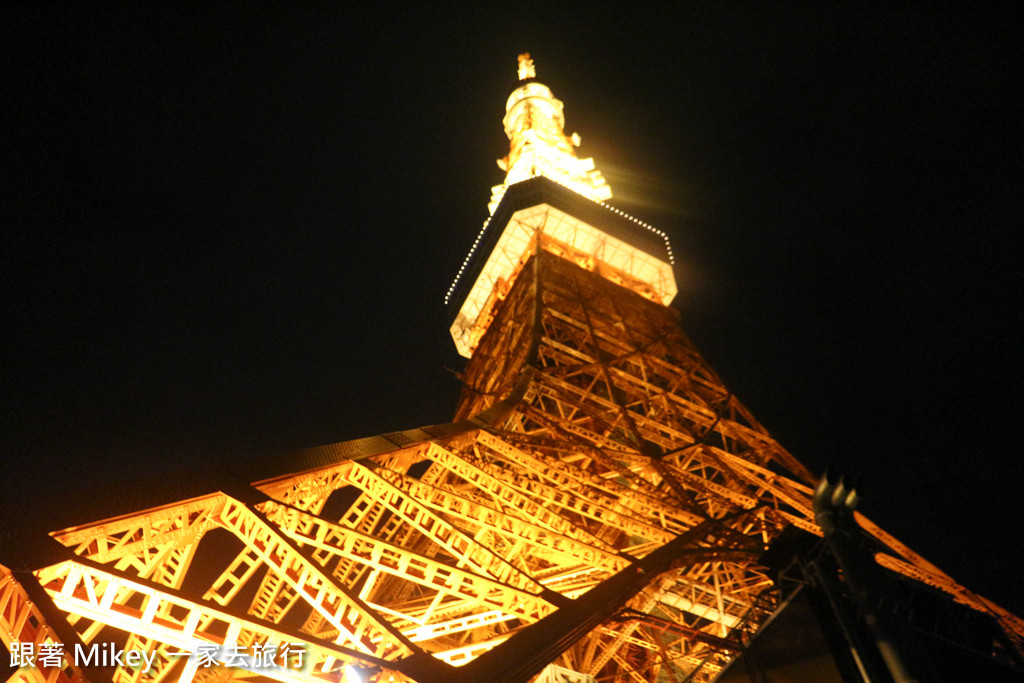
<point>599,506</point>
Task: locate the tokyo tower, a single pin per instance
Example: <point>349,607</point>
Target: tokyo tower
<point>601,507</point>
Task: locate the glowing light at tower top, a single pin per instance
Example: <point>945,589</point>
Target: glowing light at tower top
<point>551,201</point>
<point>535,126</point>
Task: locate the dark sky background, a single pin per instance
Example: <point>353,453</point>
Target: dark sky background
<point>227,231</point>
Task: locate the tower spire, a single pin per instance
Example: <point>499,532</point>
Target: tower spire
<point>526,69</point>
<point>534,124</point>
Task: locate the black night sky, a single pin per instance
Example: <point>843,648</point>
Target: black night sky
<point>227,231</point>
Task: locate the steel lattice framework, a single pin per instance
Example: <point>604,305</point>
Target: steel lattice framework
<point>595,512</point>
<point>600,504</point>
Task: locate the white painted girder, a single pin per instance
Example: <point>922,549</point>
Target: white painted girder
<point>406,564</point>
<point>108,597</point>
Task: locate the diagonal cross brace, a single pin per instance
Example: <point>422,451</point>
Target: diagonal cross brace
<point>532,648</point>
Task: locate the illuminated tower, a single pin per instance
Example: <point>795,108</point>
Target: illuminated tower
<point>599,510</point>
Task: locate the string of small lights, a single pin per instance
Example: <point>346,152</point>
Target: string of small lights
<point>483,231</point>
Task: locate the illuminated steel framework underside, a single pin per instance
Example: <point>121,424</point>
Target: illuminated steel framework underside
<point>599,505</point>
<point>595,513</point>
